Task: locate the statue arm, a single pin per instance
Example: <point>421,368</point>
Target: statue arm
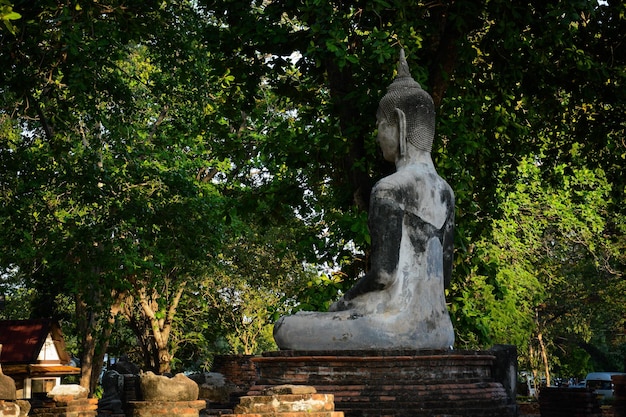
<point>385,224</point>
<point>448,242</point>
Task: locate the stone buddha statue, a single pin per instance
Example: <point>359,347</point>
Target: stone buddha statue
<point>400,302</point>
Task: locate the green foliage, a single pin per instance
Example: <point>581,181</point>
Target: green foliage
<point>7,14</point>
<point>244,292</point>
<point>103,193</point>
<point>138,137</point>
<point>319,293</point>
<point>545,267</point>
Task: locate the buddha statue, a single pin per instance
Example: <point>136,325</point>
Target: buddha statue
<point>400,302</point>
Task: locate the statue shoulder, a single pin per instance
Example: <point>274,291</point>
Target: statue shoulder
<point>390,185</point>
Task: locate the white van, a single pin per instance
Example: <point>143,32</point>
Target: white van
<point>600,383</point>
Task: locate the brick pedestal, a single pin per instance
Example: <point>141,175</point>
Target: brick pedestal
<point>393,383</point>
<point>240,374</point>
<point>165,408</point>
<point>65,407</point>
<point>238,369</point>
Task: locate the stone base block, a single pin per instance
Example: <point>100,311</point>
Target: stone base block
<point>290,414</point>
<point>166,408</point>
<point>393,383</point>
<point>69,407</point>
<point>287,401</point>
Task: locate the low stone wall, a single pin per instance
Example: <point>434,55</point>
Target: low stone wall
<point>238,369</point>
<point>567,402</point>
<point>65,407</point>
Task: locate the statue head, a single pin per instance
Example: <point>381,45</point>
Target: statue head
<point>406,103</point>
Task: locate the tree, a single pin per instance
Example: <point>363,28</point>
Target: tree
<point>511,81</point>
<point>546,281</point>
<point>123,119</point>
<point>103,193</point>
<point>7,14</point>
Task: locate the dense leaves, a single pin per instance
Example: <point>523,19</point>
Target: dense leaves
<point>208,157</point>
<point>102,193</point>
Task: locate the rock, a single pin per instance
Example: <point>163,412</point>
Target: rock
<point>7,385</point>
<point>7,388</point>
<point>74,391</point>
<point>10,409</point>
<point>214,387</point>
<point>25,407</point>
<point>161,388</point>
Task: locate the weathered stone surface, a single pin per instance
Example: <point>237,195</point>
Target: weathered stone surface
<point>113,385</point>
<point>24,407</point>
<point>162,388</point>
<point>290,389</point>
<point>68,392</point>
<point>214,388</point>
<point>9,409</point>
<point>289,404</point>
<point>7,385</point>
<point>290,414</point>
<point>239,374</point>
<point>7,388</point>
<point>400,302</point>
<point>505,368</point>
<point>165,408</point>
<point>285,403</point>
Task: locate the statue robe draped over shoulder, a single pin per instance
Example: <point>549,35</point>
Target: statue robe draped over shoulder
<point>407,210</point>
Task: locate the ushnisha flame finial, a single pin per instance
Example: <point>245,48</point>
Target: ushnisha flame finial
<point>404,78</point>
<point>403,66</point>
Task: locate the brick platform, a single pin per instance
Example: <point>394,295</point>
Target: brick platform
<point>65,407</point>
<point>287,401</point>
<point>393,383</point>
<point>165,408</point>
<point>238,370</point>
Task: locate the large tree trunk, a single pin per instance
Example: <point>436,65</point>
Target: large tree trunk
<point>544,357</point>
<point>95,334</point>
<point>147,319</point>
<point>85,326</point>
